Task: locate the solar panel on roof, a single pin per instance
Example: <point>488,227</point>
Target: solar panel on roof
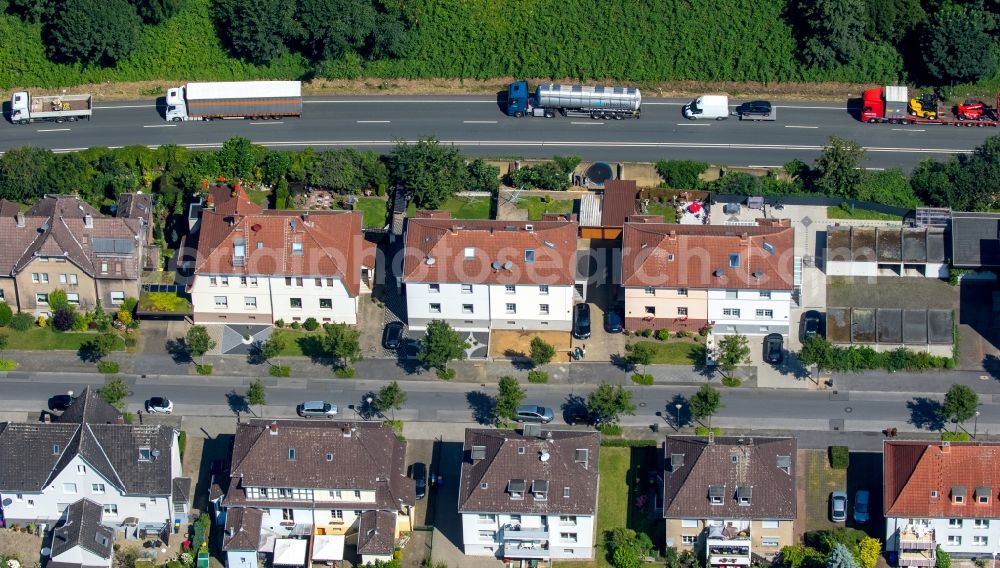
<point>116,246</point>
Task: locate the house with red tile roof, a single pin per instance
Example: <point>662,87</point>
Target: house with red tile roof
<point>943,494</point>
<point>257,266</point>
<point>483,275</point>
<point>683,277</point>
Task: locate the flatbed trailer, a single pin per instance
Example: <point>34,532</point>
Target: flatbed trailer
<point>892,105</point>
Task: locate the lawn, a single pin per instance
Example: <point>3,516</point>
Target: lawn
<point>537,207</point>
<point>164,302</point>
<point>820,480</point>
<point>462,207</point>
<point>677,352</point>
<point>258,197</point>
<point>47,339</point>
<point>299,343</point>
<point>374,210</point>
<point>668,211</point>
<point>838,212</point>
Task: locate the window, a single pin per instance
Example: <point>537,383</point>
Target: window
<point>771,541</point>
<point>689,523</point>
<point>45,278</point>
<point>767,314</point>
<point>434,288</point>
<point>62,278</point>
<point>73,298</point>
<point>98,489</point>
<point>296,248</point>
<point>73,280</point>
<point>288,281</point>
<point>765,294</point>
<point>287,515</point>
<point>337,514</point>
<point>466,308</point>
<point>291,457</point>
<point>299,282</point>
<point>682,291</point>
<point>682,312</point>
<point>329,281</point>
<point>731,294</point>
<point>357,494</point>
<point>225,281</point>
<point>487,535</point>
<point>318,282</point>
<point>688,539</point>
<point>769,524</point>
<point>142,506</point>
<point>732,312</point>
<point>42,298</point>
<point>543,289</point>
<point>2,299</point>
<point>110,509</point>
<point>982,523</point>
<point>221,302</point>
<point>567,520</point>
<point>567,537</point>
<point>543,309</point>
<point>466,288</point>
<point>35,277</point>
<point>104,267</point>
<point>250,301</point>
<point>260,245</point>
<point>117,297</point>
<point>470,252</point>
<point>954,540</point>
<point>734,260</point>
<point>650,291</point>
<point>31,503</point>
<point>529,255</point>
<point>487,518</point>
<point>511,308</point>
<point>145,455</point>
<point>326,303</point>
<point>651,310</point>
<point>435,308</point>
<point>69,488</point>
<point>980,540</point>
<point>955,523</point>
<point>295,303</point>
<point>510,289</point>
<point>80,469</point>
<point>243,280</point>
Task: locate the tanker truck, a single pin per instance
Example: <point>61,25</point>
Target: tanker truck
<point>236,99</point>
<point>26,108</point>
<point>597,102</point>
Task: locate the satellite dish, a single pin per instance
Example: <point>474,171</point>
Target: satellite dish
<point>508,265</point>
<point>496,265</point>
<point>155,453</point>
<point>544,456</point>
<point>46,551</point>
<point>430,261</point>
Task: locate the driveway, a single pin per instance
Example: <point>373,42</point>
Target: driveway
<point>602,294</point>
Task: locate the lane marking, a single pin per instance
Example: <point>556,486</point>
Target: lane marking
<point>266,123</point>
<point>909,129</point>
<point>479,122</point>
<point>764,167</point>
<point>693,124</point>
<point>793,126</point>
<point>54,130</point>
<point>589,122</point>
<point>159,125</point>
<point>373,121</point>
<point>876,169</point>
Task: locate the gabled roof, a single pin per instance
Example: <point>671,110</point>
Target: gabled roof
<point>135,206</point>
<point>83,528</point>
<point>89,407</point>
<point>697,470</point>
<point>539,252</point>
<point>242,530</point>
<point>494,461</point>
<point>376,532</point>
<point>67,206</point>
<point>921,479</point>
<point>619,202</point>
<point>664,255</point>
<point>327,455</point>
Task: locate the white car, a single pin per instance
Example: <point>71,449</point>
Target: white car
<point>158,404</point>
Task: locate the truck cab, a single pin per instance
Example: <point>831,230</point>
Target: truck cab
<point>19,107</point>
<point>176,105</point>
<point>517,99</point>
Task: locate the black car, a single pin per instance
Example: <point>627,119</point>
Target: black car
<point>419,473</point>
<point>774,351</point>
<point>754,110</point>
<point>392,335</point>
<point>613,322</point>
<point>578,414</point>
<point>811,325</point>
<point>60,402</point>
<point>581,321</point>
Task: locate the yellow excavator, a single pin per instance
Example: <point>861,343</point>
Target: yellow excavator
<point>924,106</point>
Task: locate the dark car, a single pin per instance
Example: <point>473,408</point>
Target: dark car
<point>811,325</point>
<point>419,473</point>
<point>613,321</point>
<point>774,348</point>
<point>578,414</point>
<point>754,110</point>
<point>60,402</point>
<point>392,335</point>
<point>581,321</point>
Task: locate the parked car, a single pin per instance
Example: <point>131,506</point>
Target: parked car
<point>419,473</point>
<point>392,335</point>
<point>158,405</point>
<point>613,321</point>
<point>532,413</point>
<point>811,325</point>
<point>838,506</point>
<point>774,351</point>
<point>61,402</point>
<point>861,507</point>
<point>755,110</point>
<point>319,408</point>
<point>578,414</point>
<point>581,321</point>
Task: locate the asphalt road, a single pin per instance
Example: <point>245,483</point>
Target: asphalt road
<point>749,409</point>
<point>478,125</point>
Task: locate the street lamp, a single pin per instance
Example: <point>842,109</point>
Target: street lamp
<point>368,401</point>
<point>975,426</point>
<point>678,407</point>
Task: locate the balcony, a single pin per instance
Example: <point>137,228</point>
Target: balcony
<point>525,534</point>
<point>921,558</point>
<point>526,550</point>
<point>916,538</point>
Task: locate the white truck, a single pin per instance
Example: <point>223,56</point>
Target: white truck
<point>234,99</point>
<point>25,108</point>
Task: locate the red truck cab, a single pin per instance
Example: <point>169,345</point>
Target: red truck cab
<point>872,105</point>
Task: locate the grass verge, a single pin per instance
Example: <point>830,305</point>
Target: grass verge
<point>677,352</point>
<point>837,212</point>
<point>47,339</point>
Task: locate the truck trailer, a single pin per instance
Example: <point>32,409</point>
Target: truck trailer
<point>597,102</point>
<point>25,108</point>
<point>237,99</point>
<point>893,104</point>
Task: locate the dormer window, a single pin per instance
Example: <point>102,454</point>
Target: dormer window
<point>676,461</point>
<point>983,494</point>
<point>958,494</point>
<point>743,494</point>
<point>470,252</point>
<point>145,454</point>
<point>540,488</point>
<point>291,454</point>
<point>716,493</point>
<point>296,248</point>
<point>516,488</point>
<point>734,260</point>
<point>784,463</point>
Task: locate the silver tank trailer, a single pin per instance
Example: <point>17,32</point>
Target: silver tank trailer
<point>588,97</point>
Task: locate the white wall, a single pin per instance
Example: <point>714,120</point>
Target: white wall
<point>273,298</point>
<point>527,299</point>
<point>419,297</point>
<point>344,310</point>
<point>845,268</point>
<point>475,545</point>
<point>241,559</point>
<point>203,295</point>
<point>942,530</point>
<point>272,520</point>
<point>80,555</point>
<point>748,302</point>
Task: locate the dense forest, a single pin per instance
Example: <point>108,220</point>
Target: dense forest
<point>54,43</point>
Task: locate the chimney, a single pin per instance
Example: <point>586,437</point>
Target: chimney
<point>274,428</point>
<point>19,218</point>
<point>88,221</point>
<point>231,532</point>
<point>305,217</point>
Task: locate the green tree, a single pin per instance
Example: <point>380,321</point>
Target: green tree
<point>58,300</point>
<point>608,402</point>
<point>705,403</point>
<point>894,20</point>
<point>28,10</point>
<point>22,173</point>
<point>960,404</point>
<point>734,350</point>
<point>509,396</point>
<point>681,174</point>
<point>198,342</point>
<point>272,347</point>
<point>257,30</point>
<point>238,158</point>
<point>801,556</point>
<point>941,558</point>
<point>817,351</point>
<point>440,345</point>
<point>156,11</point>
<point>542,352</point>
<point>832,31</point>
<point>838,171</point>
<point>91,32</point>
<point>868,551</point>
<point>641,353</point>
<point>114,392</point>
<point>432,172</point>
<point>257,395</point>
<point>331,28</point>
<point>956,44</point>
<point>274,166</point>
<point>840,557</point>
<point>890,187</point>
<point>343,343</point>
<point>483,176</point>
<point>390,397</point>
<point>102,345</point>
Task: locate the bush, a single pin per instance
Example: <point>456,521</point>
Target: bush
<point>610,429</point>
<point>680,174</point>
<point>22,321</point>
<point>955,437</point>
<point>130,304</point>
<point>642,378</point>
<point>646,332</point>
<point>344,372</point>
<point>704,430</point>
<point>280,323</point>
<point>108,367</point>
<point>840,457</point>
<point>730,381</point>
<point>280,371</point>
<point>205,369</point>
<point>538,377</point>
<point>5,314</point>
<point>124,316</point>
<point>63,319</point>
<point>311,324</point>
<point>296,325</point>
<point>182,438</point>
<point>446,374</point>
<point>7,365</point>
<point>663,334</point>
<point>628,443</point>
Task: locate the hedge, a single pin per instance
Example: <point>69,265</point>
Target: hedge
<point>628,443</point>
<point>840,457</point>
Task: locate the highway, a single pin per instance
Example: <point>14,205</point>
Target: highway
<point>479,127</point>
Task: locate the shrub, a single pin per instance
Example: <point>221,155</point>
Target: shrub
<point>680,174</point>
<point>205,369</point>
<point>42,321</point>
<point>344,372</point>
<point>663,334</point>
<point>682,334</point>
<point>124,316</point>
<point>646,333</point>
<point>5,314</point>
<point>280,323</point>
<point>610,429</point>
<point>628,443</point>
<point>7,365</point>
<point>182,442</point>
<point>280,371</point>
<point>731,381</point>
<point>63,319</point>
<point>108,367</point>
<point>538,377</point>
<point>642,378</point>
<point>311,324</point>
<point>296,325</point>
<point>840,457</point>
<point>955,437</point>
<point>446,374</point>
<point>130,304</point>
<point>704,430</point>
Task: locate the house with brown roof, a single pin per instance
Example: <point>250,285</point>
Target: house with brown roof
<point>303,490</point>
<point>62,243</point>
<point>943,494</point>
<point>257,266</point>
<point>683,277</point>
<point>529,495</point>
<point>730,499</point>
<point>82,540</point>
<point>483,275</point>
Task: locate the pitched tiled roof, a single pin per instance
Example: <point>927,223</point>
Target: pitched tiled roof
<point>689,256</point>
<point>89,407</point>
<point>181,490</point>
<point>696,468</point>
<point>28,453</point>
<point>135,206</point>
<point>242,528</point>
<point>915,469</point>
<point>619,202</point>
<point>376,532</point>
<point>567,459</point>
<point>83,528</point>
<point>229,201</point>
<point>553,246</point>
<point>8,208</point>
<point>362,456</point>
<point>68,206</point>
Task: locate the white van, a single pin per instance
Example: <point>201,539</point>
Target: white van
<point>707,107</point>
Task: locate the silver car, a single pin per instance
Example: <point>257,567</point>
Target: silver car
<point>838,506</point>
<point>533,413</point>
<point>319,408</point>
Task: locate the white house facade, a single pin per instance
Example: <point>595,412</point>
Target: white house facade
<point>750,311</point>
